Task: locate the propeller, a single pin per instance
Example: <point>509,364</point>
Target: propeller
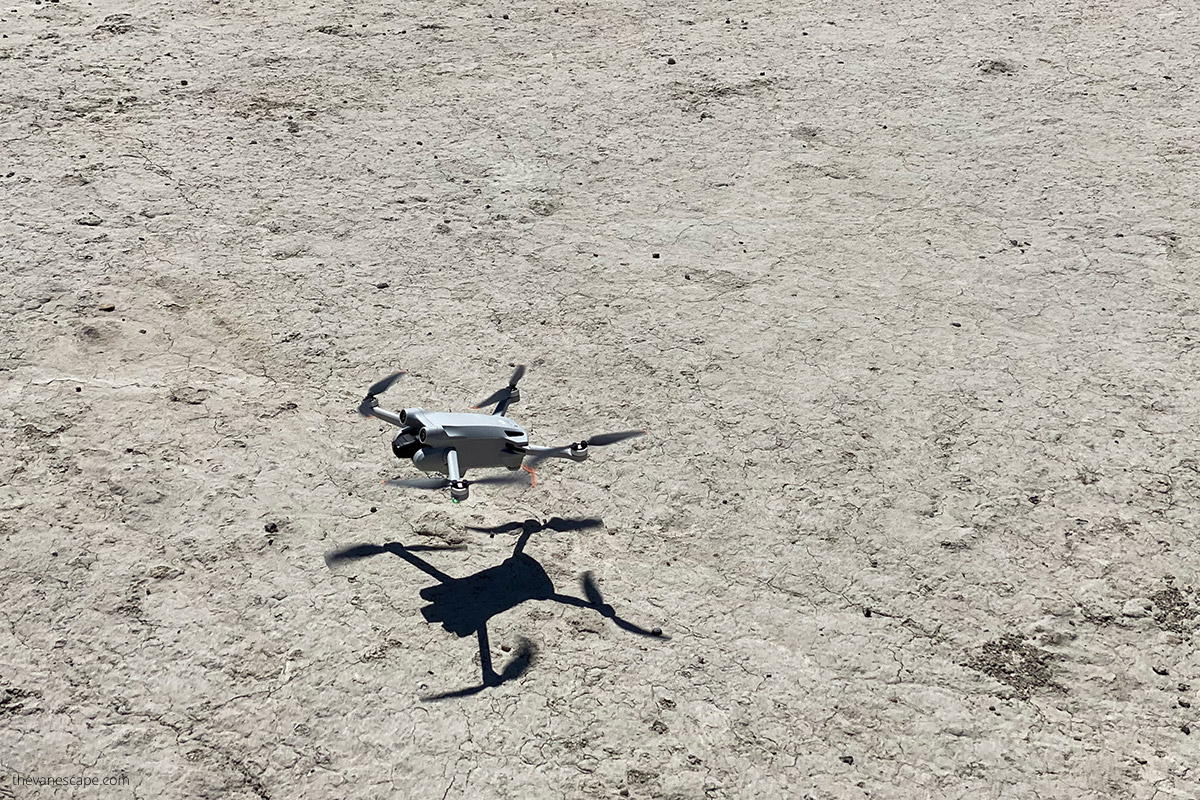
<point>503,395</point>
<point>595,441</point>
<point>443,483</point>
<point>379,387</point>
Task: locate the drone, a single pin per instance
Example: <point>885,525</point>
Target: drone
<point>451,443</point>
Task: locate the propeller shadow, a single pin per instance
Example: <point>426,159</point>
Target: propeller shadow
<point>463,606</point>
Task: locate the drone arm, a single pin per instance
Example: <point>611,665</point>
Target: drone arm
<point>538,453</point>
<point>390,417</point>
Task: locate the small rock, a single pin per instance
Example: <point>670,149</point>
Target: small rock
<point>381,285</point>
<point>656,631</point>
<point>1136,608</point>
<point>670,61</point>
<point>89,219</point>
<point>847,759</point>
<point>1187,729</point>
<point>654,255</point>
<point>271,527</point>
<point>108,307</point>
<point>373,509</point>
<point>1161,671</point>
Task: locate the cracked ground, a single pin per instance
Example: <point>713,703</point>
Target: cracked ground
<point>905,295</point>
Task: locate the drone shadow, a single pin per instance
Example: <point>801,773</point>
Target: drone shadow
<point>463,606</point>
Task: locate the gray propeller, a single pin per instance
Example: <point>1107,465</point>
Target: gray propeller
<point>443,483</point>
<point>597,441</point>
<point>501,395</point>
<point>379,387</point>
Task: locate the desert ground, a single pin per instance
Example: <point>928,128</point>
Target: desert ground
<point>905,295</point>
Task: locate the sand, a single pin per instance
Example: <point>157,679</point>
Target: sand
<point>904,293</point>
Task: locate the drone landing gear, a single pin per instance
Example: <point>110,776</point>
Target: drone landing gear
<point>459,490</point>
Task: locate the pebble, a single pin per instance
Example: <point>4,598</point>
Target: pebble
<point>1136,608</point>
<point>847,759</point>
<point>90,220</point>
<point>271,527</point>
<point>381,285</point>
<point>108,307</point>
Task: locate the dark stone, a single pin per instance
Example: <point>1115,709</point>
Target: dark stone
<point>271,527</point>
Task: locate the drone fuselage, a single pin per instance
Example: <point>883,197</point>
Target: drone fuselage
<point>477,440</point>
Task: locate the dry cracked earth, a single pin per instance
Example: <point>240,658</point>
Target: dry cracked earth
<point>904,293</point>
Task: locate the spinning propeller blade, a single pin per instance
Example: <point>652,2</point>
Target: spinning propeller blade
<point>612,438</point>
<point>443,483</point>
<point>501,395</point>
<point>594,441</point>
<point>379,387</point>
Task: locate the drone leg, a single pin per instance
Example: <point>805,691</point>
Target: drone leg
<point>532,474</point>
<point>459,489</point>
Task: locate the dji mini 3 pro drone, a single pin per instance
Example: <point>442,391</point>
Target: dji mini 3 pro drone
<point>450,443</point>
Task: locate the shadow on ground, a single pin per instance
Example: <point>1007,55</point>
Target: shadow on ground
<point>463,606</point>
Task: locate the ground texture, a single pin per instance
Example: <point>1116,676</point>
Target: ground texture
<point>904,293</point>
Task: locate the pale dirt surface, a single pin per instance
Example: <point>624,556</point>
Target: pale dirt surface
<point>917,359</point>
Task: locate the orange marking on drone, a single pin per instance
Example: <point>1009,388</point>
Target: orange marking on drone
<point>532,474</point>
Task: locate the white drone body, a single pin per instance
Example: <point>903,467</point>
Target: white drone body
<point>451,443</point>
